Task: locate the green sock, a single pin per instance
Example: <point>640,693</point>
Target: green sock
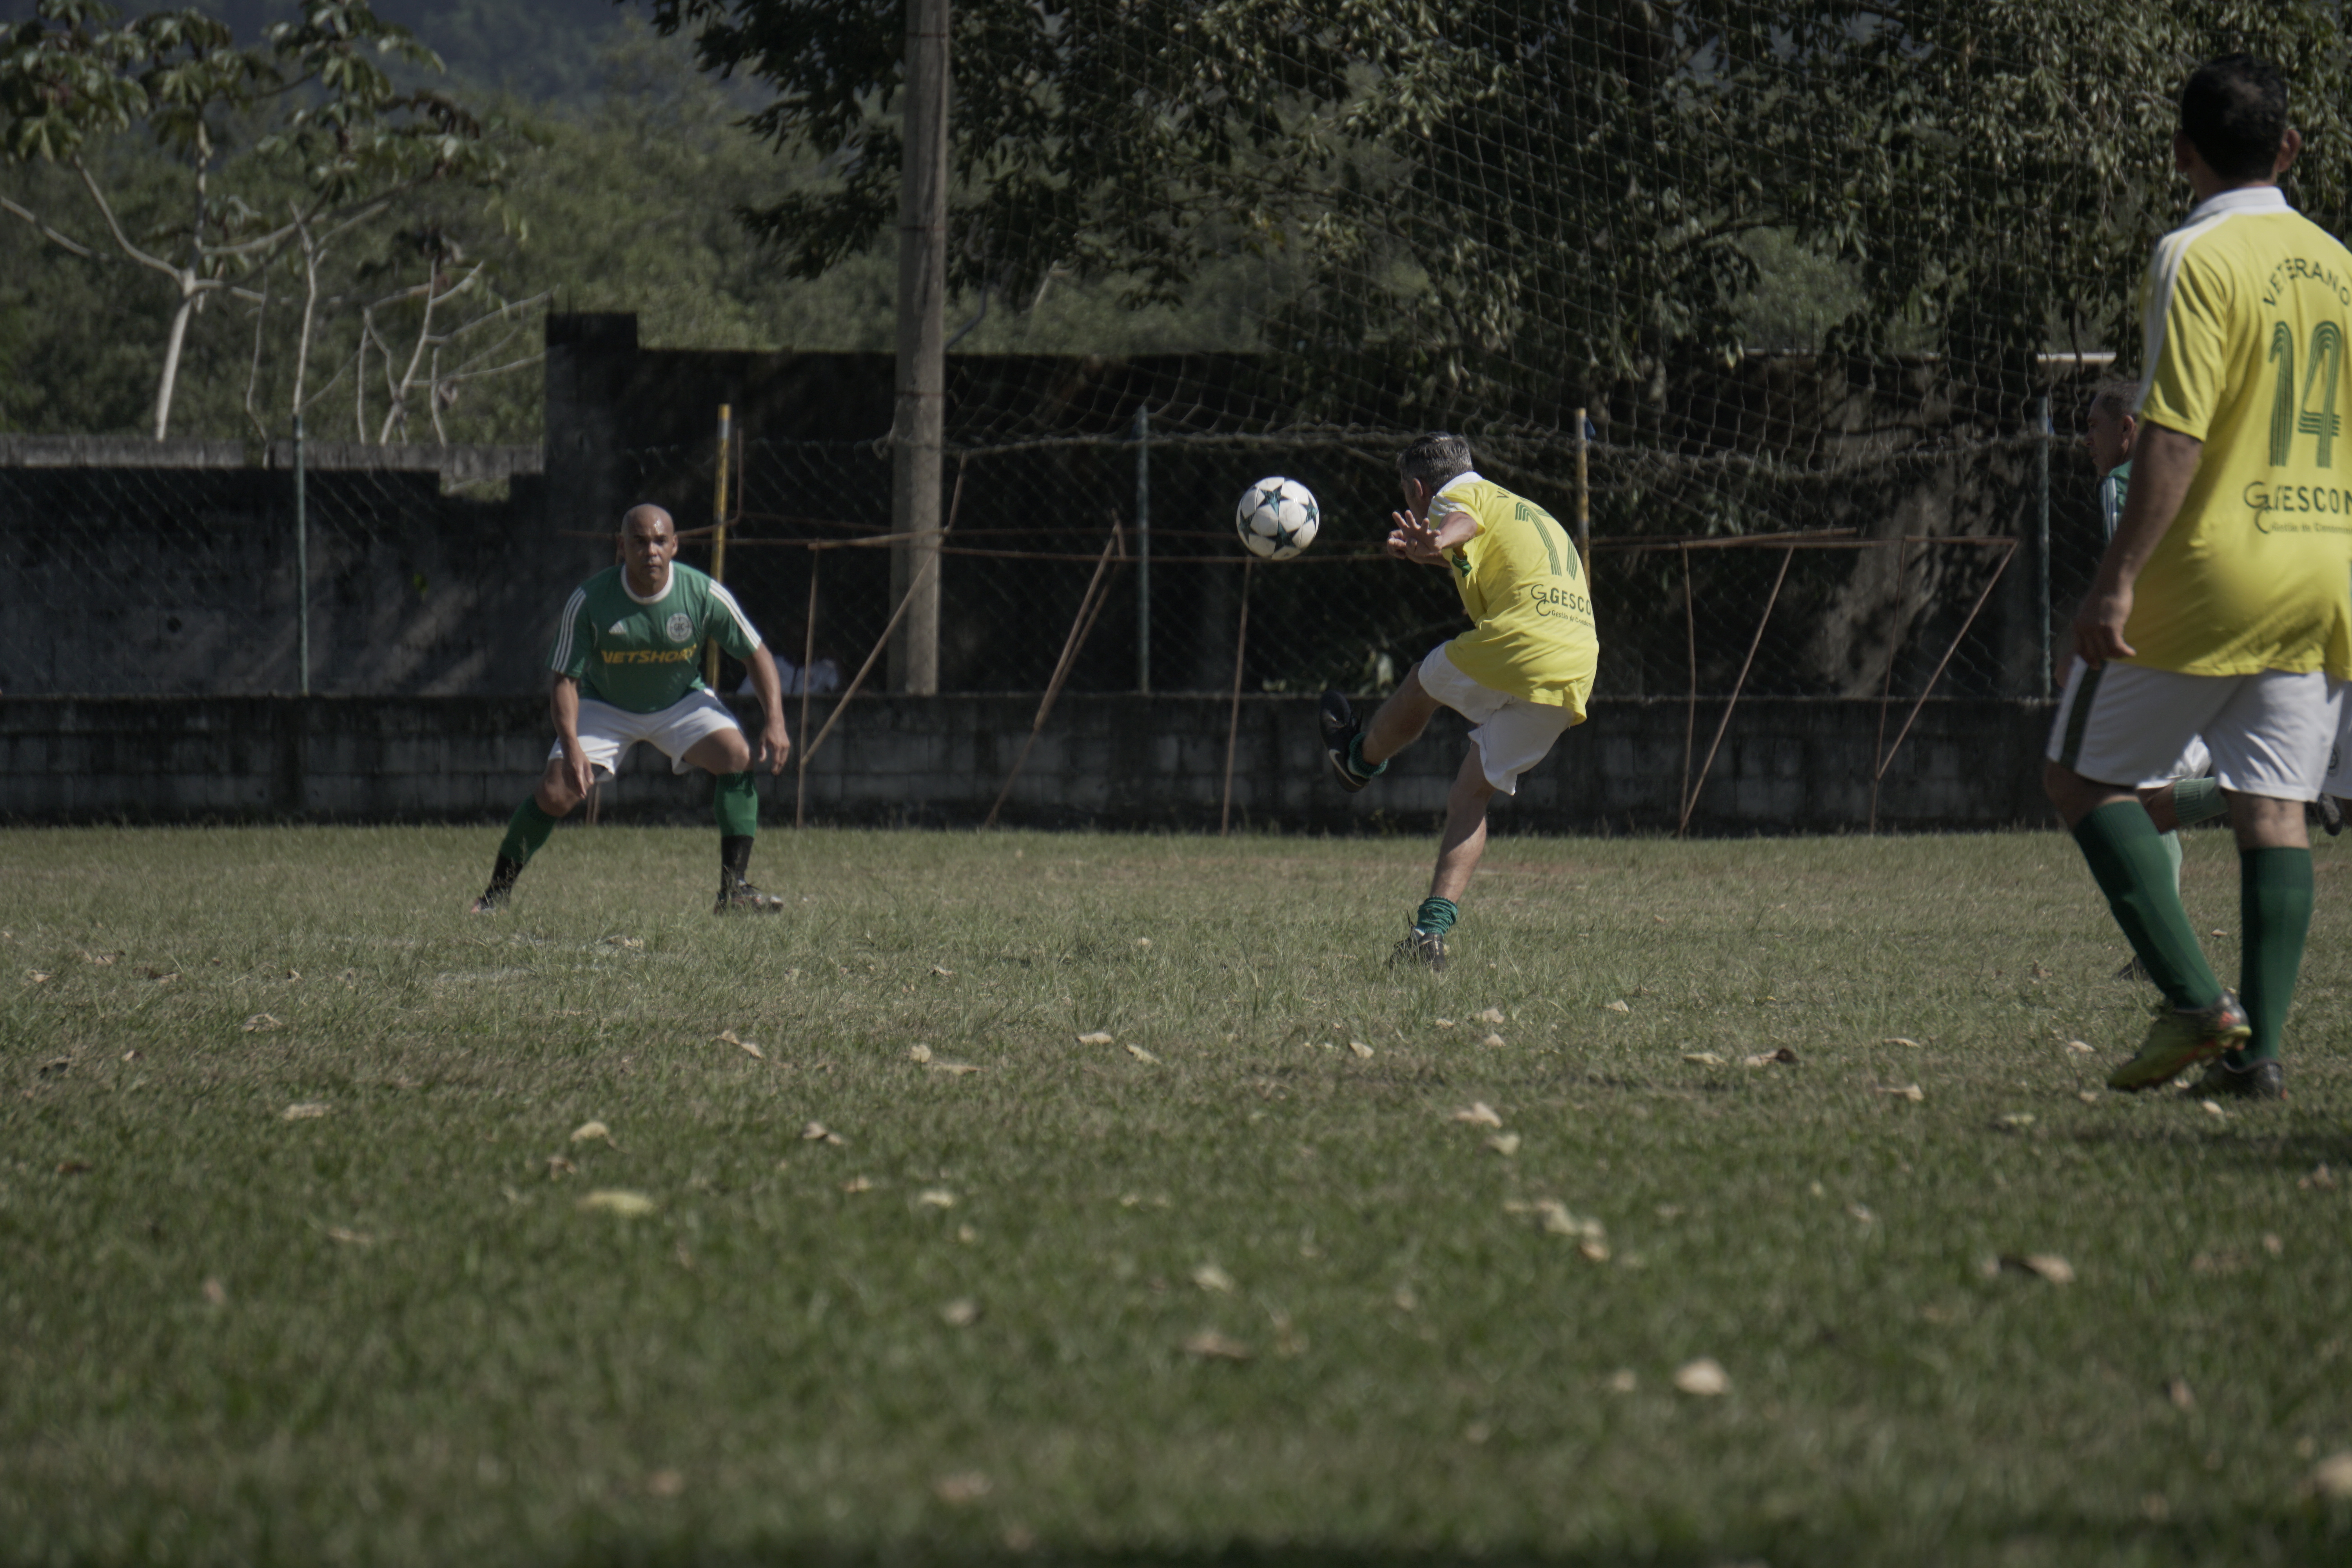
<point>2172,852</point>
<point>736,803</point>
<point>2198,800</point>
<point>2127,858</point>
<point>2274,901</point>
<point>1436,917</point>
<point>527,829</point>
<point>1356,758</point>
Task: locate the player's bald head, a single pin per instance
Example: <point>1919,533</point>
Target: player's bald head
<point>646,515</point>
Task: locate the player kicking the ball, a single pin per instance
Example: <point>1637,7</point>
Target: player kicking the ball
<point>632,637</point>
<point>1520,676</point>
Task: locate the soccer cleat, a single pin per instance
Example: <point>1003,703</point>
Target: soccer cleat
<point>738,897</point>
<point>2255,1080</point>
<point>2326,813</point>
<point>1337,722</point>
<point>2179,1040</point>
<point>492,900</point>
<point>1422,949</point>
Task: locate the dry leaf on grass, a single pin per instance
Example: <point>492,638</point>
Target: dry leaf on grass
<point>617,1201</point>
<point>1620,1007</point>
<point>1491,1040</point>
<point>37,976</point>
<point>1139,1054</point>
<point>1442,1023</point>
<point>633,943</point>
<point>959,1490</point>
<point>2016,1121</point>
<point>664,1484</point>
<point>1620,1381</point>
<point>1910,1091</point>
<point>1491,1016</point>
<point>1209,1277</point>
<point>2211,1108</point>
<point>557,1166</point>
<point>160,977</point>
<point>729,1036</point>
<point>954,1070</point>
<point>2321,1179</point>
<point>1479,1114</point>
<point>310,1111</point>
<point>2046,1265</point>
<point>859,1185</point>
<point>1363,1051</point>
<point>1704,1377</point>
<point>132,1055</point>
<point>215,1292</point>
<point>2178,1392</point>
<point>2331,1477</point>
<point>1504,1143</point>
<point>2082,1048</point>
<point>960,1313</point>
<point>935,1198</point>
<point>919,1053</point>
<point>942,973</point>
<point>1784,1056</point>
<point>1860,1211</point>
<point>350,1237</point>
<point>52,1065</point>
<point>1211,1345</point>
<point>1704,1059</point>
<point>1099,1037</point>
<point>74,1167</point>
<point>1143,941</point>
<point>260,1023</point>
<point>1900,1040</point>
<point>2087,1096</point>
<point>818,1132</point>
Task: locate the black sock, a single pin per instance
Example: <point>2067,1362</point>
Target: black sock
<point>734,857</point>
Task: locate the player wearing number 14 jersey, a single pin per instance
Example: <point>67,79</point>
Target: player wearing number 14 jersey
<point>1521,675</point>
<point>2223,604</point>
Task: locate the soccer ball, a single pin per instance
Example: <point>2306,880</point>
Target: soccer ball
<point>1277,519</point>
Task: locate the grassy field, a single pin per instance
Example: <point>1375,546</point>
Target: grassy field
<point>310,1251</point>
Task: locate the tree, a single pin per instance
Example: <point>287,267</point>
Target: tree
<point>335,144</point>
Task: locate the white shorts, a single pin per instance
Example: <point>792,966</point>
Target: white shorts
<point>607,732</point>
<point>2268,734</point>
<point>1513,733</point>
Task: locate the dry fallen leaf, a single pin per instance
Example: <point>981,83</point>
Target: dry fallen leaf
<point>310,1111</point>
<point>919,1053</point>
<point>859,1185</point>
<point>2321,1178</point>
<point>2088,1097</point>
<point>959,1490</point>
<point>935,1198</point>
<point>954,1070</point>
<point>1704,1059</point>
<point>1209,1277</point>
<point>215,1292</point>
<point>557,1166</point>
<point>1361,1049</point>
<point>1139,1054</point>
<point>1442,1023</point>
<point>1480,1114</point>
<point>1491,1040</point>
<point>1211,1345</point>
<point>1100,1037</point>
<point>1504,1143</point>
<point>1899,1040</point>
<point>37,976</point>
<point>633,943</point>
<point>2017,1120</point>
<point>1491,1016</point>
<point>729,1036</point>
<point>2332,1476</point>
<point>1860,1211</point>
<point>54,1065</point>
<point>1704,1376</point>
<point>2082,1048</point>
<point>2178,1392</point>
<point>2046,1265</point>
<point>588,1129</point>
<point>1910,1091</point>
<point>814,1132</point>
<point>1622,1381</point>
<point>1620,1007</point>
<point>664,1484</point>
<point>944,974</point>
<point>350,1237</point>
<point>960,1313</point>
<point>74,1167</point>
<point>617,1201</point>
<point>2211,1108</point>
<point>260,1023</point>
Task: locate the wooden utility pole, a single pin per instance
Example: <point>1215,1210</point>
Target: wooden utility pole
<point>921,418</point>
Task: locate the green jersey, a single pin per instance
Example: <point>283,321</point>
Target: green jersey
<point>641,655</point>
<point>2111,490</point>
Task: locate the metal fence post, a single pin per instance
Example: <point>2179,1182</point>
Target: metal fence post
<point>301,567</point>
<point>2045,435</point>
<point>1143,551</point>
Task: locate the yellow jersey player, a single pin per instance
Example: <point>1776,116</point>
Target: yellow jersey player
<point>1521,675</point>
<point>2222,606</point>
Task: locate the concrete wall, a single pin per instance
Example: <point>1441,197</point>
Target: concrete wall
<point>1786,766</point>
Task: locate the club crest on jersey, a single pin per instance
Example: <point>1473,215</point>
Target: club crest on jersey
<point>680,627</point>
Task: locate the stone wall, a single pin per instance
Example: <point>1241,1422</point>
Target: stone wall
<point>1785,765</point>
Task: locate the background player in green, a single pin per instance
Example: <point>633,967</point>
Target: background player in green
<point>1521,676</point>
<point>625,662</point>
<point>2220,608</point>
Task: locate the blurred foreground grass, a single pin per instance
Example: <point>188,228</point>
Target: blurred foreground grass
<point>295,1266</point>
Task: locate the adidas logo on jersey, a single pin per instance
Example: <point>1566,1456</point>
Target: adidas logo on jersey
<point>619,628</point>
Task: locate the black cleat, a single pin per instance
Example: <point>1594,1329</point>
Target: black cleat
<point>1337,722</point>
<point>2255,1080</point>
<point>1421,949</point>
<point>2326,813</point>
<point>492,900</point>
<point>494,897</point>
<point>738,897</point>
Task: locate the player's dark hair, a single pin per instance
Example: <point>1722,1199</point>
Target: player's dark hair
<point>2116,392</point>
<point>1434,458</point>
<point>2234,112</point>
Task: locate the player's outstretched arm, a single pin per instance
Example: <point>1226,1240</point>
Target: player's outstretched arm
<point>775,742</point>
<point>563,703</point>
<point>2163,461</point>
<point>1412,539</point>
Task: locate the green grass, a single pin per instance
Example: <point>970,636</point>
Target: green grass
<point>390,1334</point>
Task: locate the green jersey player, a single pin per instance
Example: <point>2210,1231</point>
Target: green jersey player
<point>625,668</point>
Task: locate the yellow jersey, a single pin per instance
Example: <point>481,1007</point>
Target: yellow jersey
<point>2247,309</point>
<point>1521,581</point>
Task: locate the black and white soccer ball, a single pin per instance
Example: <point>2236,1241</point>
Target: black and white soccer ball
<point>1277,519</point>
